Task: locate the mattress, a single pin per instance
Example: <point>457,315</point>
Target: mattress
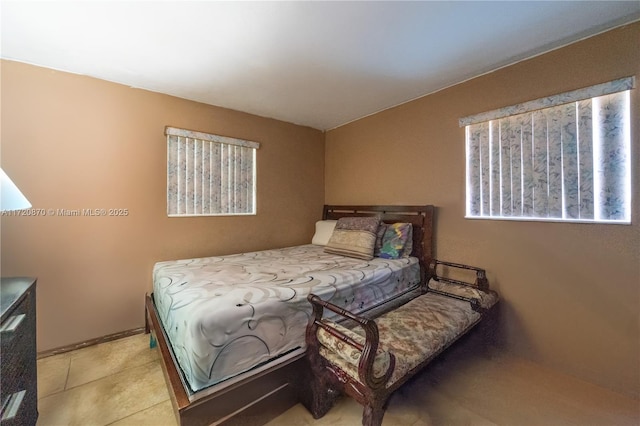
<point>226,315</point>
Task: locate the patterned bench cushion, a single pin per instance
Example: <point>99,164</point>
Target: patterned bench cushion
<point>413,333</point>
<point>339,352</point>
<point>484,298</point>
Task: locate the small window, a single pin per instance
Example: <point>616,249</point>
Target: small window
<point>562,158</point>
<point>209,175</point>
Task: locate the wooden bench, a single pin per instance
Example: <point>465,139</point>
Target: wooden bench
<point>374,358</point>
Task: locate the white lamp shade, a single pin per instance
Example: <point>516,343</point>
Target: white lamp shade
<point>10,196</point>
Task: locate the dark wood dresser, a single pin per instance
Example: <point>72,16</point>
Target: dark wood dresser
<point>18,374</point>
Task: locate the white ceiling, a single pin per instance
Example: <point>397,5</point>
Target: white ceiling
<point>320,64</point>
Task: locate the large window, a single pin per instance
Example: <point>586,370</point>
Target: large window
<point>209,174</point>
<point>562,158</point>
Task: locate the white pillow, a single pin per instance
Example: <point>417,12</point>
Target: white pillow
<point>324,229</point>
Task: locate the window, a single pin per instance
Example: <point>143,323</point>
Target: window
<point>562,158</point>
<point>209,175</point>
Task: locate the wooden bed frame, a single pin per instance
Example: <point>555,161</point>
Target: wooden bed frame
<point>258,396</point>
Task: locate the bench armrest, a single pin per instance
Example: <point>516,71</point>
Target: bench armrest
<point>481,282</point>
<point>477,293</point>
<point>373,363</point>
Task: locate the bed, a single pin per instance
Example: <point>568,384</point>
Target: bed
<point>231,329</point>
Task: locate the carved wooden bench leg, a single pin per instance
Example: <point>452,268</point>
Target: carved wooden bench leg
<point>324,396</point>
<point>323,392</point>
<point>373,413</point>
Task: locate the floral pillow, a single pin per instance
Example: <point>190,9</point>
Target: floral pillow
<point>354,237</point>
<point>397,241</point>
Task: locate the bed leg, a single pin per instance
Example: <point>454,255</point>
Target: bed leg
<point>373,413</point>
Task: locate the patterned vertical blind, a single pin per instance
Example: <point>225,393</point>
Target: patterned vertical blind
<point>565,157</point>
<point>209,174</point>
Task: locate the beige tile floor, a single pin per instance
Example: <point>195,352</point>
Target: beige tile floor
<point>121,383</point>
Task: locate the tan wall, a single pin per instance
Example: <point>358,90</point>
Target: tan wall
<point>570,291</point>
<point>73,142</point>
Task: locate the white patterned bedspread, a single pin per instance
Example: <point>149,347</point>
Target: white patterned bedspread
<point>225,315</point>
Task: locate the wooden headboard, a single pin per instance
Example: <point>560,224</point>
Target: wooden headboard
<point>421,217</point>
